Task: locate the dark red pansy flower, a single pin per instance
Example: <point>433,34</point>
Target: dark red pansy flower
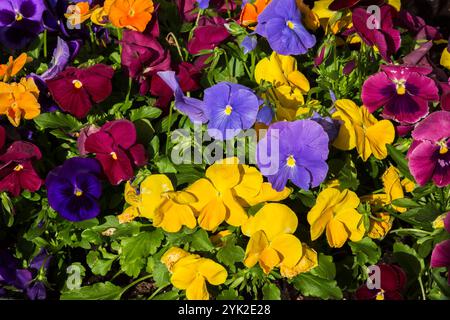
<point>189,78</point>
<point>387,39</point>
<point>16,168</point>
<point>392,283</point>
<point>208,34</point>
<point>115,148</point>
<point>76,90</point>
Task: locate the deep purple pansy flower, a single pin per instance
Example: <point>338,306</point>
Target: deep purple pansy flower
<point>74,189</point>
<point>403,91</point>
<point>20,22</point>
<point>75,90</point>
<point>193,108</point>
<point>331,126</point>
<point>16,168</point>
<point>441,253</point>
<point>230,108</point>
<point>116,149</point>
<point>429,156</point>
<point>295,151</point>
<point>280,23</point>
<point>384,36</point>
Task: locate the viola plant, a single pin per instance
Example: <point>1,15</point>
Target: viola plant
<point>224,149</point>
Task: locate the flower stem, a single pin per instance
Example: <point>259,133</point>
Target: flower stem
<point>136,282</point>
<point>45,43</point>
<point>157,291</point>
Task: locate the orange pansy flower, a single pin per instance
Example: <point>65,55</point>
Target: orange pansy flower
<point>250,12</point>
<point>131,14</point>
<point>13,67</point>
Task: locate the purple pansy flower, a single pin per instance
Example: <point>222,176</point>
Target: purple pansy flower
<point>441,253</point>
<point>295,151</point>
<point>193,108</point>
<point>403,91</point>
<point>265,115</point>
<point>20,22</point>
<point>230,108</point>
<point>280,23</point>
<point>331,126</point>
<point>74,189</point>
<point>249,44</point>
<point>428,155</point>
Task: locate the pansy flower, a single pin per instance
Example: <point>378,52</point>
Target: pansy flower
<point>13,67</point>
<point>440,258</point>
<point>362,130</point>
<point>208,34</point>
<point>19,100</point>
<point>429,156</point>
<point>280,23</point>
<point>116,149</point>
<point>392,283</point>
<point>190,272</point>
<point>74,189</point>
<point>16,168</point>
<point>272,243</point>
<point>335,212</point>
<point>295,151</point>
<point>404,92</point>
<point>76,90</point>
<point>131,14</point>
<point>230,108</point>
<point>20,22</point>
<point>250,12</point>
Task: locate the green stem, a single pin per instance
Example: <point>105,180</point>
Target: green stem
<point>168,127</point>
<point>176,44</point>
<point>411,230</point>
<point>422,289</point>
<point>45,43</point>
<point>136,282</point>
<point>130,84</point>
<point>200,12</point>
<point>157,291</point>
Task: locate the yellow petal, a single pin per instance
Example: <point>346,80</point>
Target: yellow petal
<point>268,194</point>
<point>256,245</point>
<point>397,4</point>
<point>307,262</point>
<point>128,215</point>
<point>171,216</point>
<point>204,192</point>
<point>336,233</point>
<point>319,225</point>
<point>445,58</point>
<point>408,185</point>
<point>223,176</point>
<point>131,196</point>
<point>299,80</point>
<point>185,271</point>
<point>379,135</point>
<point>289,248</point>
<point>172,256</point>
<point>351,218</point>
<point>235,214</point>
<point>152,189</point>
<point>393,186</point>
<point>325,200</point>
<point>362,143</point>
<point>213,272</point>
<point>269,259</point>
<point>346,139</point>
<point>346,200</point>
<point>212,215</point>
<point>379,229</point>
<point>273,219</point>
<point>197,290</point>
<point>271,69</point>
<point>251,183</point>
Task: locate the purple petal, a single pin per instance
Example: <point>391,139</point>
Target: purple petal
<point>60,59</point>
<point>377,91</point>
<point>434,128</point>
<point>441,255</point>
<point>422,162</point>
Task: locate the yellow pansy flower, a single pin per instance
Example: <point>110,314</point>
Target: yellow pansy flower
<point>216,194</point>
<point>439,222</point>
<point>272,244</point>
<point>328,18</point>
<point>408,185</point>
<point>445,58</point>
<point>393,186</point>
<point>308,17</point>
<point>174,212</point>
<point>380,226</point>
<point>190,272</point>
<point>335,211</point>
<point>362,130</point>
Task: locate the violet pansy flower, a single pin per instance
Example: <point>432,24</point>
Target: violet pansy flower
<point>280,23</point>
<point>429,156</point>
<point>203,4</point>
<point>295,151</point>
<point>404,92</point>
<point>74,189</point>
<point>20,22</point>
<point>230,108</point>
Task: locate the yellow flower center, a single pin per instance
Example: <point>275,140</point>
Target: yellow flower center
<point>78,192</point>
<point>380,295</point>
<point>131,13</point>
<point>19,16</point>
<point>400,86</point>
<point>114,155</point>
<point>290,24</point>
<point>77,84</point>
<point>18,167</point>
<point>290,161</point>
<point>443,147</point>
<point>14,105</point>
<point>228,109</point>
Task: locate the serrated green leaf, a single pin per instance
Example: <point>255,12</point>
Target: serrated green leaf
<point>200,241</point>
<point>326,268</point>
<point>271,292</point>
<point>314,286</point>
<point>55,120</point>
<point>365,251</point>
<point>230,254</point>
<point>98,291</point>
<point>146,112</point>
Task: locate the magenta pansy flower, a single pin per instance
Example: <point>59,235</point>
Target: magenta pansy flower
<point>429,156</point>
<point>403,92</point>
<point>208,34</point>
<point>441,253</point>
<point>116,149</point>
<point>16,168</point>
<point>76,90</point>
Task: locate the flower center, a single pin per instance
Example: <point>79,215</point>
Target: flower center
<point>380,295</point>
<point>18,167</point>
<point>19,16</point>
<point>113,155</point>
<point>290,24</point>
<point>77,84</point>
<point>400,86</point>
<point>78,192</point>
<point>443,146</point>
<point>14,105</point>
<point>131,13</point>
<point>228,109</point>
<point>290,161</point>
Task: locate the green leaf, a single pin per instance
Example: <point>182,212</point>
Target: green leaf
<point>409,260</point>
<point>98,265</point>
<point>271,292</point>
<point>348,176</point>
<point>55,120</point>
<point>326,268</point>
<point>365,251</point>
<point>98,291</point>
<point>136,249</point>
<point>146,112</point>
<point>161,275</point>
<point>165,165</point>
<point>200,241</point>
<point>314,286</point>
<point>230,254</point>
<point>229,294</point>
<point>405,203</point>
<point>400,160</point>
